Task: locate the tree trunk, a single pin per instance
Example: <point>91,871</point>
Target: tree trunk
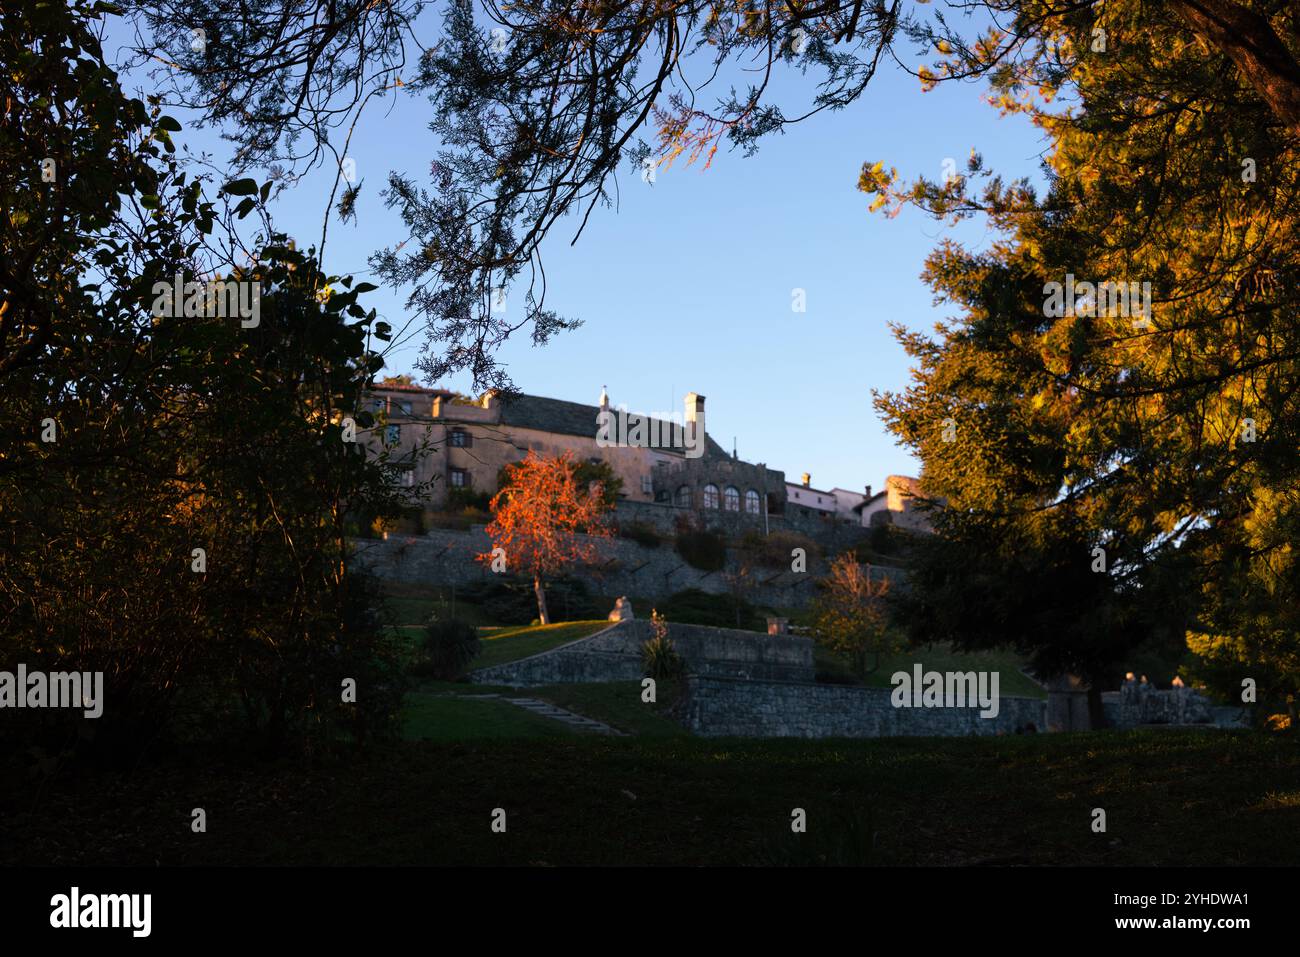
<point>1249,41</point>
<point>542,613</point>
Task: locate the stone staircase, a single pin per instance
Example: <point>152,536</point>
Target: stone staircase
<point>545,709</point>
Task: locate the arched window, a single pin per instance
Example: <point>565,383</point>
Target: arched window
<point>710,496</point>
<point>731,499</point>
<point>752,503</point>
<point>684,496</point>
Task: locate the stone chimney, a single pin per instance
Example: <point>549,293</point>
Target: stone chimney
<point>868,491</point>
<point>695,414</point>
<point>807,480</point>
<point>490,401</point>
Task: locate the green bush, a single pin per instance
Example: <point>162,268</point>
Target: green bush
<point>775,550</point>
<point>512,601</point>
<point>506,601</point>
<point>569,599</point>
<point>691,606</point>
<point>459,521</point>
<point>449,646</point>
<point>888,539</point>
<point>703,549</point>
<point>641,533</point>
<point>658,655</point>
<point>460,499</point>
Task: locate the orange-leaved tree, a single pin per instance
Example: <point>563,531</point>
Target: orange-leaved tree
<point>850,616</point>
<point>544,521</point>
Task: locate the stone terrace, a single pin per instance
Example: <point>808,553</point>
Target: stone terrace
<point>615,655</point>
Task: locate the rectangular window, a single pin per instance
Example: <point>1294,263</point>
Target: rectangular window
<point>459,478</point>
<point>405,407</point>
<point>647,484</point>
<point>394,434</point>
<point>460,439</point>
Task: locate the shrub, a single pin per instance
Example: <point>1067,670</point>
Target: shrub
<point>703,549</point>
<point>658,655</point>
<point>641,533</point>
<point>449,646</point>
<point>454,521</point>
<point>691,606</point>
<point>569,599</point>
<point>774,550</point>
<point>509,603</point>
<point>413,520</point>
<point>512,602</point>
<point>889,539</point>
<point>462,499</point>
<point>477,593</point>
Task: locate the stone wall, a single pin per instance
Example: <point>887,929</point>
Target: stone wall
<point>830,534</point>
<point>444,557</point>
<point>718,707</point>
<point>746,684</point>
<point>1136,704</point>
<point>561,666</point>
<point>1141,703</point>
<point>614,654</point>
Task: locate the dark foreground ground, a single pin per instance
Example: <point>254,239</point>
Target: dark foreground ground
<point>1170,797</point>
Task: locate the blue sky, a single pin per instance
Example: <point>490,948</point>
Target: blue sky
<point>687,284</point>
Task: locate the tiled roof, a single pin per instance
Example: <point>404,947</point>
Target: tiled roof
<point>566,418</point>
<point>863,504</point>
<point>399,387</point>
<point>798,487</point>
<point>549,415</point>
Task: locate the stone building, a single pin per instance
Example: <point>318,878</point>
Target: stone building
<point>668,468</point>
<point>895,505</point>
<point>807,500</point>
<point>836,505</point>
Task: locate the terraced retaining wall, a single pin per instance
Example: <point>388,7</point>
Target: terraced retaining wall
<point>615,655</point>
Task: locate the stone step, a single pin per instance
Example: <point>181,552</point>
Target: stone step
<point>547,710</point>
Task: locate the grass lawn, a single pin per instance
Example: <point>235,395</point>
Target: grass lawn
<point>501,645</point>
<point>617,703</point>
<point>433,717</point>
<point>614,702</point>
<point>1011,681</point>
<point>1171,797</point>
